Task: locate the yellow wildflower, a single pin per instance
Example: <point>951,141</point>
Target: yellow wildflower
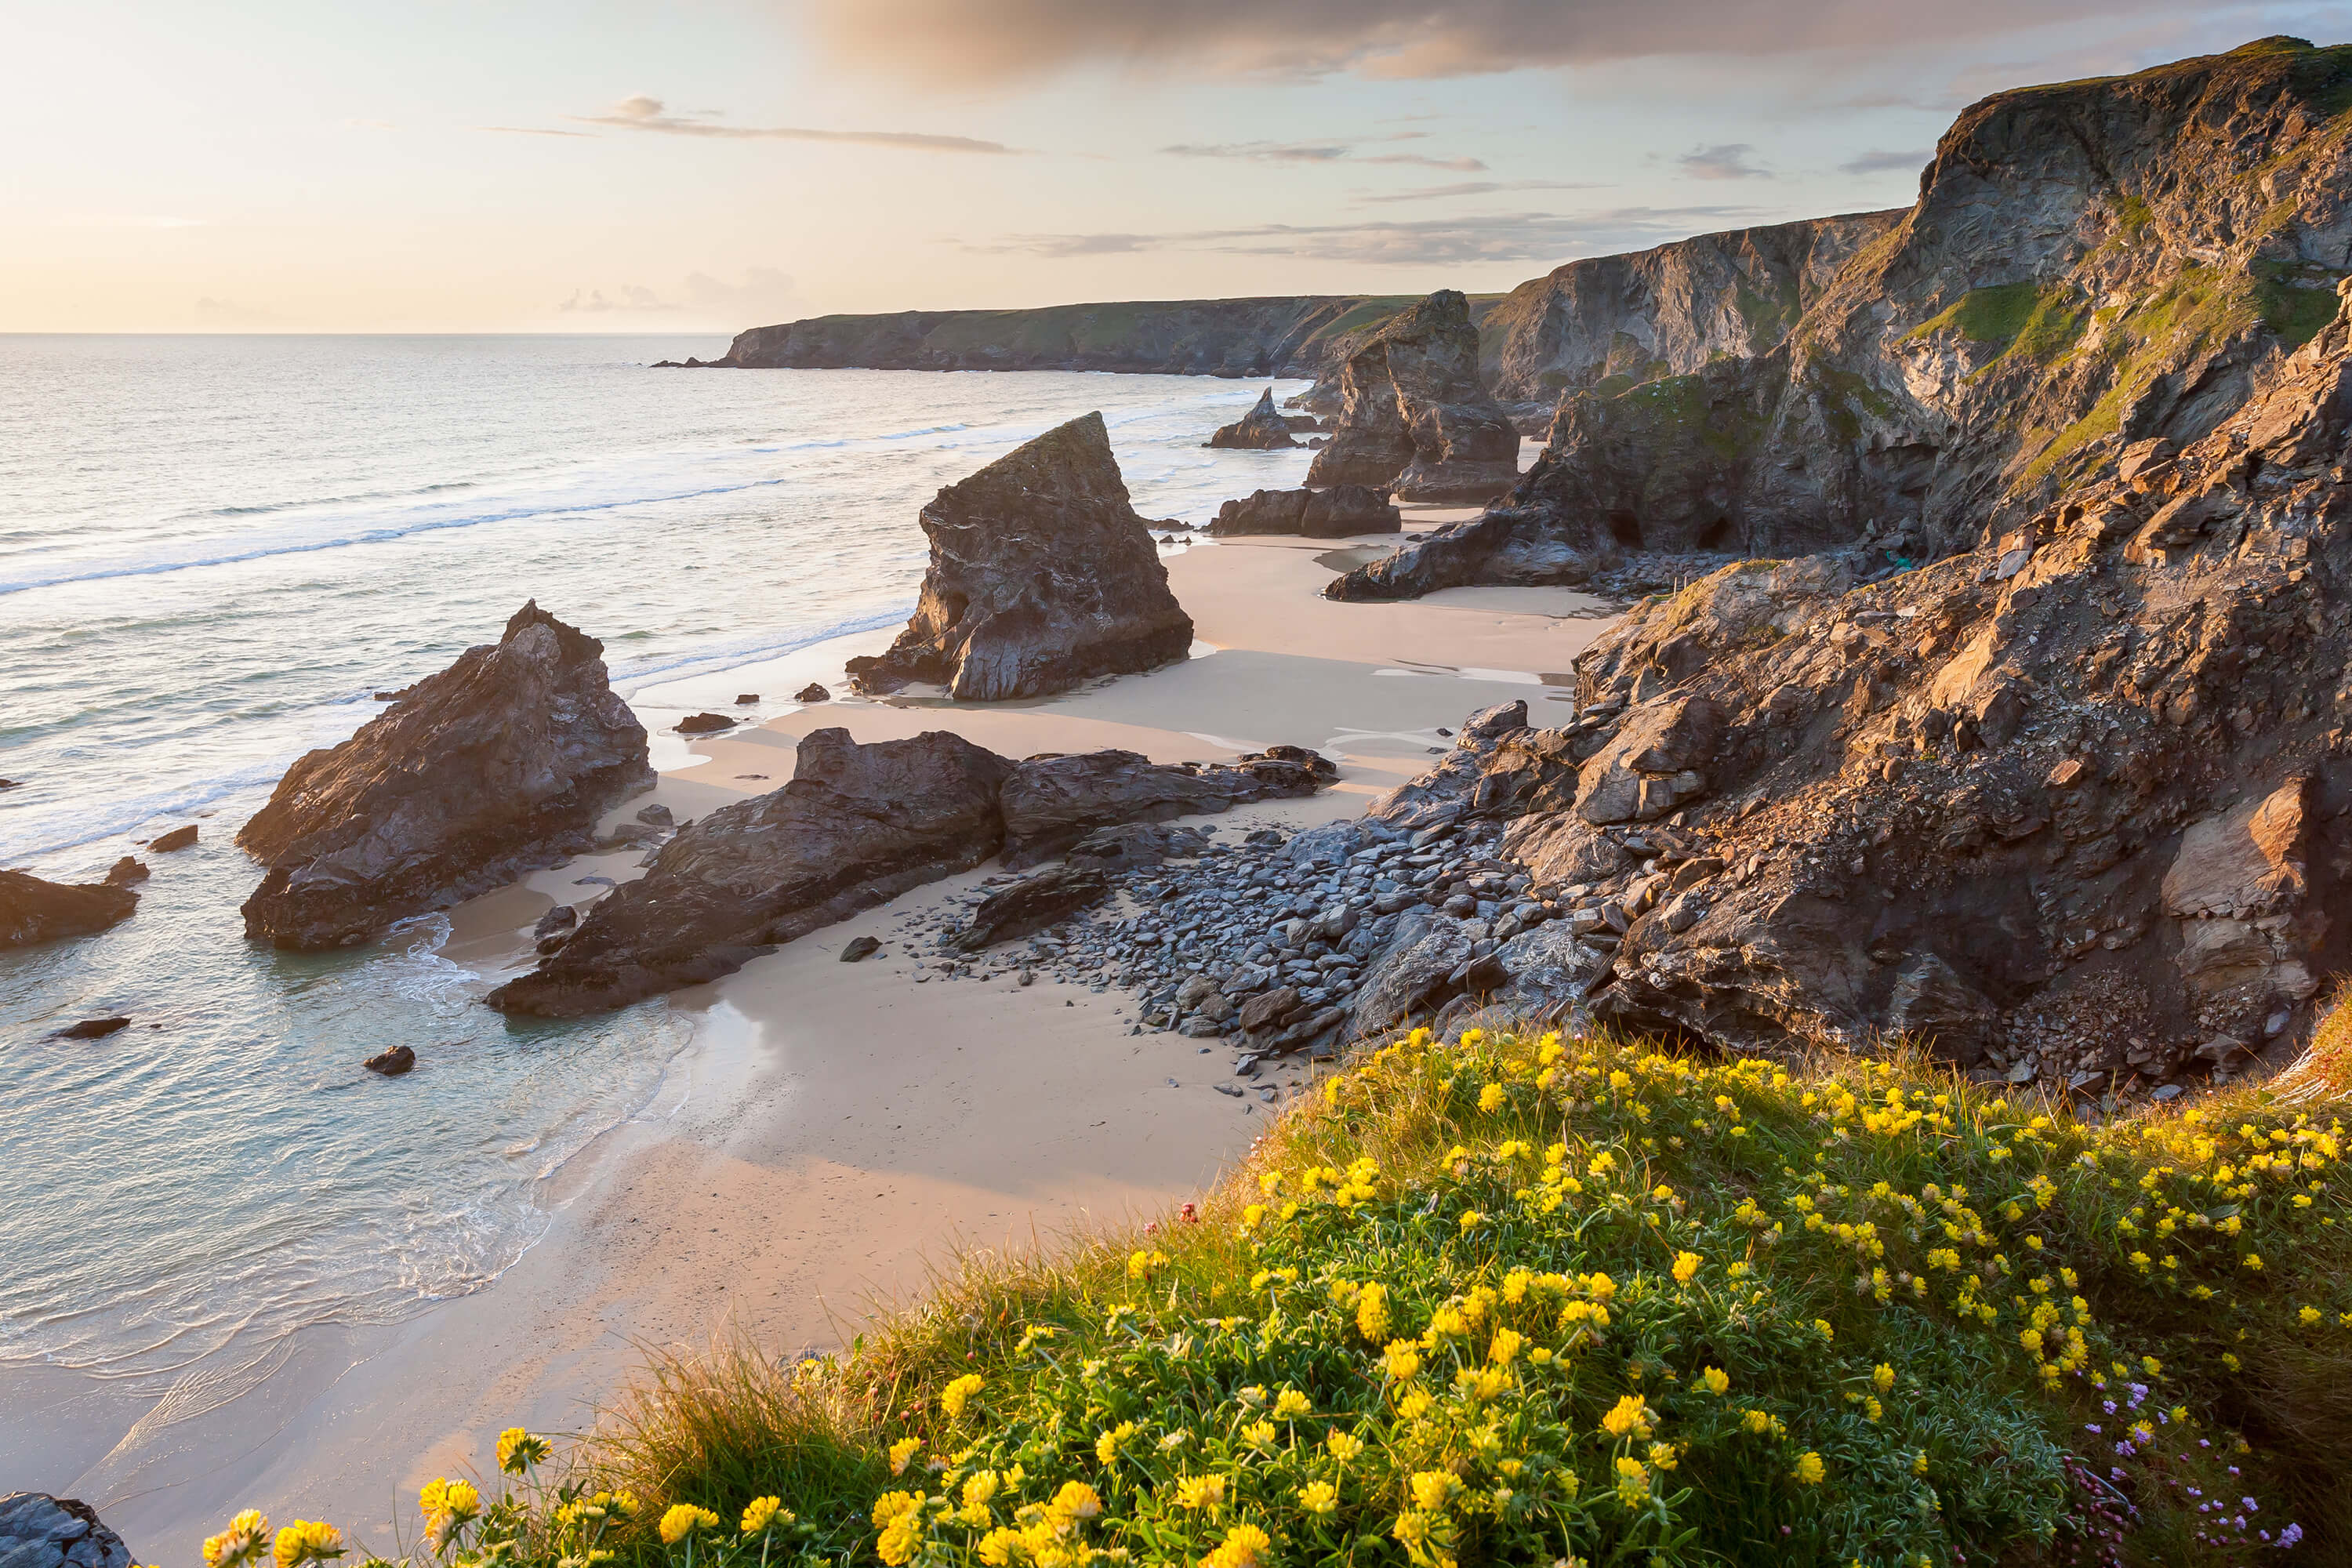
<point>1243,1547</point>
<point>306,1541</point>
<point>1715,1380</point>
<point>1200,1491</point>
<point>1686,1264</point>
<point>761,1511</point>
<point>244,1539</point>
<point>998,1547</point>
<point>1432,1488</point>
<point>1106,1447</point>
<point>1373,1313</point>
<point>1291,1402</point>
<point>1631,1416</point>
<point>1259,1433</point>
<point>1882,1377</point>
<point>1403,1359</point>
<point>1318,1497</point>
<point>958,1393</point>
<point>1504,1346</point>
<point>1809,1470</point>
<point>683,1519</point>
<point>1827,1332</point>
<point>900,1452</point>
<point>1076,1501</point>
<point>1472,1219</point>
<point>1344,1445</point>
<point>1632,1481</point>
<point>1491,1099</point>
<point>2307,1316</point>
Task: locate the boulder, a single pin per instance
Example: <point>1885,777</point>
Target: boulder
<point>1032,903</point>
<point>1263,428</point>
<point>126,872</point>
<point>1041,576</point>
<point>500,763</point>
<point>1336,512</point>
<point>813,692</point>
<point>1410,975</point>
<point>856,826</point>
<point>1415,414</point>
<point>745,698</point>
<point>178,839</point>
<point>391,1063</point>
<point>1136,844</point>
<point>703,723</point>
<point>37,1531</point>
<point>1052,803</point>
<point>35,911</point>
<point>92,1028</point>
<point>858,949</point>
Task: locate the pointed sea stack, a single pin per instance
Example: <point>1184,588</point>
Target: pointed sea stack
<point>1262,429</point>
<point>500,763</point>
<point>1416,417</point>
<point>1041,576</point>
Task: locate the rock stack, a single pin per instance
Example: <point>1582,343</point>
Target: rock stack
<point>1041,576</point>
<point>1416,417</point>
<point>1338,512</point>
<point>499,763</point>
<point>1263,428</point>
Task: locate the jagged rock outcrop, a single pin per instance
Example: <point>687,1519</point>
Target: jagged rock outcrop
<point>1031,904</point>
<point>1041,576</point>
<point>2088,266</point>
<point>1279,336</point>
<point>1415,414</point>
<point>856,826</point>
<point>501,763</point>
<point>37,1531</point>
<point>1262,429</point>
<point>2076,806</point>
<point>1052,803</point>
<point>32,910</point>
<point>1335,513</point>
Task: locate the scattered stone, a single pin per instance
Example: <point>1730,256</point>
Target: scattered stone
<point>391,1063</point>
<point>703,723</point>
<point>91,1028</point>
<point>859,948</point>
<point>655,816</point>
<point>177,838</point>
<point>126,872</point>
<point>813,692</point>
<point>37,1531</point>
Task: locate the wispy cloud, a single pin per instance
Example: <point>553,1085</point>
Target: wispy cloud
<point>1724,161</point>
<point>1508,236</point>
<point>536,130</point>
<point>1321,152</point>
<point>1877,162</point>
<point>999,40</point>
<point>1478,188</point>
<point>646,113</point>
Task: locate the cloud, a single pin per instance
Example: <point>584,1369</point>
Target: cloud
<point>765,294</point>
<point>1479,188</point>
<point>642,112</point>
<point>1488,237</point>
<point>1724,161</point>
<point>536,130</point>
<point>1000,40</point>
<point>1321,152</point>
<point>1877,162</point>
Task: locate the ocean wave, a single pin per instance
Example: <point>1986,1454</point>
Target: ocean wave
<point>634,676</point>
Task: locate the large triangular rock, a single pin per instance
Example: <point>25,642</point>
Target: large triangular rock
<point>1041,576</point>
<point>1416,417</point>
<point>1263,428</point>
<point>499,763</point>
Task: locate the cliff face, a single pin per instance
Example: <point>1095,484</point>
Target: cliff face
<point>1293,336</point>
<point>2087,264</point>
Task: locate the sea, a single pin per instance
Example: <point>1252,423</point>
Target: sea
<point>212,551</point>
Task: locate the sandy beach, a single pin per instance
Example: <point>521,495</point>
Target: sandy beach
<point>836,1130</point>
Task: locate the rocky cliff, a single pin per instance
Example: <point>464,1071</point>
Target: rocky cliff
<point>1042,575</point>
<point>2087,264</point>
<point>1280,336</point>
<point>1414,416</point>
<point>501,761</point>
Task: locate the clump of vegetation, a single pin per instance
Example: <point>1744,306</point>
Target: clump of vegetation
<point>1534,1300</point>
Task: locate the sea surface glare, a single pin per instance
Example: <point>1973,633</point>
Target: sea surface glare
<point>213,551</point>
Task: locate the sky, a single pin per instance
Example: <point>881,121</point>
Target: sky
<point>708,165</point>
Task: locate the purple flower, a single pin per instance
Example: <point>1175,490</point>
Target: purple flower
<point>2290,1535</point>
<point>2108,1405</point>
<point>2091,1427</point>
<point>2250,1505</point>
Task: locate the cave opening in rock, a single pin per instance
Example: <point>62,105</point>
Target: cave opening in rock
<point>1718,535</point>
<point>1625,528</point>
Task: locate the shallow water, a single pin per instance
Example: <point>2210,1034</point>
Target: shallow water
<point>212,551</point>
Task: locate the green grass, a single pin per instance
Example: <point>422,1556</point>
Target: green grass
<point>1994,315</point>
<point>1533,1300</point>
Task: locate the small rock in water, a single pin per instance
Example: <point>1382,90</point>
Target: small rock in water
<point>125,872</point>
<point>860,947</point>
<point>8,784</point>
<point>178,839</point>
<point>91,1030</point>
<point>703,724</point>
<point>747,698</point>
<point>391,1063</point>
<point>813,692</point>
